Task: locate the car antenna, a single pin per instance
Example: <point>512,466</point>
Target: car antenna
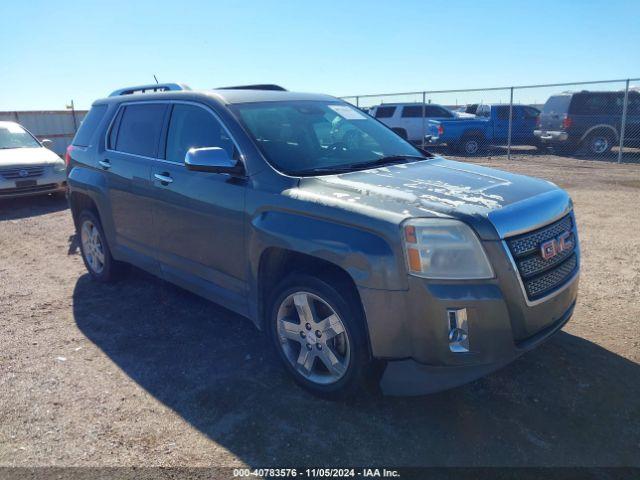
<point>155,78</point>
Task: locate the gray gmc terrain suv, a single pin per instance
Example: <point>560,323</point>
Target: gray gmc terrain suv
<point>366,260</point>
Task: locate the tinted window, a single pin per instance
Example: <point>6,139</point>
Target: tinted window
<point>597,103</point>
<point>89,125</point>
<point>113,133</point>
<point>530,112</point>
<point>193,127</point>
<point>140,128</point>
<point>412,111</point>
<point>633,106</point>
<point>557,104</point>
<point>385,112</point>
<point>502,112</point>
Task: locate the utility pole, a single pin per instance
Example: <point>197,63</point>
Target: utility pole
<point>73,115</point>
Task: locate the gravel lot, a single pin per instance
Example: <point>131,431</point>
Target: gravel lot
<point>144,373</point>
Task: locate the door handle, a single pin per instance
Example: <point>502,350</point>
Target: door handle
<point>106,164</point>
<point>164,178</point>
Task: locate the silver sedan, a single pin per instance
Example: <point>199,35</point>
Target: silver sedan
<point>27,167</point>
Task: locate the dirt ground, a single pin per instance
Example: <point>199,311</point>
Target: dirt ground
<point>144,373</point>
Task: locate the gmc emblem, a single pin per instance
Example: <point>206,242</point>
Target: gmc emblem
<point>556,246</point>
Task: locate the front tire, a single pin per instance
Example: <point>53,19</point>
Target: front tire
<point>94,249</point>
<point>318,334</point>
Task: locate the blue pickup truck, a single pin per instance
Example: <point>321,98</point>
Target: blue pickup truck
<point>490,126</point>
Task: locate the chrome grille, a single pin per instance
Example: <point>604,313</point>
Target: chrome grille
<point>541,276</point>
<point>550,280</point>
<point>530,242</point>
<point>19,173</point>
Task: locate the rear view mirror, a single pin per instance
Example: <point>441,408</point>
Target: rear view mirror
<point>213,160</point>
<point>47,143</point>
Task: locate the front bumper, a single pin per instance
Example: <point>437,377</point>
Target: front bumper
<point>408,377</point>
<point>550,136</point>
<point>410,329</point>
<point>50,181</point>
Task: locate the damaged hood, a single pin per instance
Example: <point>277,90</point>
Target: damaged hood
<point>494,202</point>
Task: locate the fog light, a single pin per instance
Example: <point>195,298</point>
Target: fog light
<point>458,330</point>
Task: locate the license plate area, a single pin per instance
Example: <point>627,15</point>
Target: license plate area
<point>26,183</point>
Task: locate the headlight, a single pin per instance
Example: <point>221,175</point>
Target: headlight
<point>444,249</point>
<point>59,167</point>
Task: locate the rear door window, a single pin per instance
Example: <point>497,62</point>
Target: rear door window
<point>502,112</point>
<point>602,103</point>
<point>89,125</point>
<point>140,128</point>
<point>412,111</point>
<point>194,127</point>
<point>385,112</point>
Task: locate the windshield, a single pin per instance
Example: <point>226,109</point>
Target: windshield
<point>14,136</point>
<point>314,137</point>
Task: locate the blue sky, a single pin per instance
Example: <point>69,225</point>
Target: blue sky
<point>54,51</point>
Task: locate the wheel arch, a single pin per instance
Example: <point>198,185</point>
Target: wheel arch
<point>79,201</point>
<point>277,263</point>
<point>603,127</point>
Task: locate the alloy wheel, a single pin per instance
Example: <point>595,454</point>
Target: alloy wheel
<point>92,246</point>
<point>599,144</point>
<point>313,338</point>
<point>471,147</point>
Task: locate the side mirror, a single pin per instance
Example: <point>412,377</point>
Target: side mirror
<point>213,160</point>
<point>47,143</point>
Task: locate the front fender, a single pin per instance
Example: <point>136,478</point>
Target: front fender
<point>365,256</point>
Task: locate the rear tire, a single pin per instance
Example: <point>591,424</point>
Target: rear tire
<point>599,143</point>
<point>95,250</point>
<point>319,336</point>
<point>471,145</point>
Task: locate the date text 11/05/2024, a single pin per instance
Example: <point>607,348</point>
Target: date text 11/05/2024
<point>317,472</point>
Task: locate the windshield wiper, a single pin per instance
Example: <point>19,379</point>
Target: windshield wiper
<point>390,160</point>
<point>350,167</point>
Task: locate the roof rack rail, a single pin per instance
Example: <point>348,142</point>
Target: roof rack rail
<point>260,86</point>
<point>151,88</point>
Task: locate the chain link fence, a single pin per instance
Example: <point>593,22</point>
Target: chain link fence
<point>597,119</point>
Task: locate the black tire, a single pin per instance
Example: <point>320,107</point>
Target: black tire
<point>356,375</point>
<point>111,270</point>
<point>598,143</point>
<point>471,144</point>
<point>401,132</point>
